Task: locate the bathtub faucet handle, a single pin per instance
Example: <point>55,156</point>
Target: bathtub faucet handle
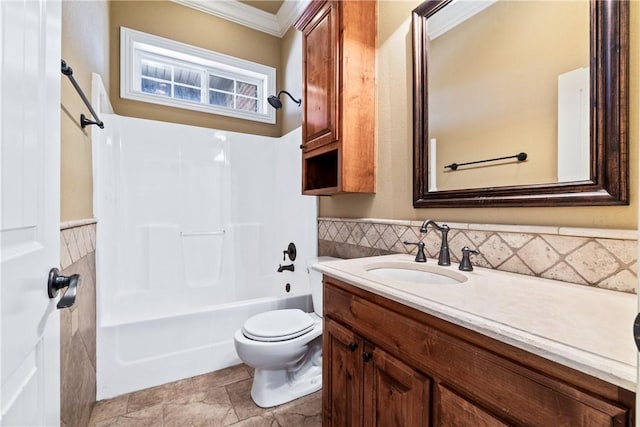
<point>291,252</point>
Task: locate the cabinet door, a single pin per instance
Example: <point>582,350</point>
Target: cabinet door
<point>342,376</point>
<point>452,410</point>
<point>320,46</point>
<point>394,394</point>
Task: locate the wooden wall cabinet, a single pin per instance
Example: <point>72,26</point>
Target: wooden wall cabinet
<point>385,364</point>
<point>338,99</point>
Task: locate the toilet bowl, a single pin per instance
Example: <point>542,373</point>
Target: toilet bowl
<point>285,348</point>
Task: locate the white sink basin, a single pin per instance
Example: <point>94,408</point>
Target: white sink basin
<point>416,273</point>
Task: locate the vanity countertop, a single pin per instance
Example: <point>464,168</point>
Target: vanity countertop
<point>585,328</point>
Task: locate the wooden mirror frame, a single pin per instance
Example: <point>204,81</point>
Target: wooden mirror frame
<point>609,81</point>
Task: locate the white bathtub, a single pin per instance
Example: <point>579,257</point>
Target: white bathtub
<point>147,352</point>
<point>192,224</point>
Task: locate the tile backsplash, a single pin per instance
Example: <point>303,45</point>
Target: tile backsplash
<point>594,257</point>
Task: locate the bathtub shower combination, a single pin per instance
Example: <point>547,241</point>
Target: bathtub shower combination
<point>192,224</point>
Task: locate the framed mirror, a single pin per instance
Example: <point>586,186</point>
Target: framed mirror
<point>558,139</point>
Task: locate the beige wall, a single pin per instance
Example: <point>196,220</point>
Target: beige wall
<point>492,96</point>
<point>186,25</point>
<point>394,179</point>
<point>84,45</point>
<point>290,116</point>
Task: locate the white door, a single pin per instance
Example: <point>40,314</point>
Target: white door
<point>29,211</point>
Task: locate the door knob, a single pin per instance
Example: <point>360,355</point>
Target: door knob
<point>353,346</point>
<point>366,356</point>
<point>56,282</point>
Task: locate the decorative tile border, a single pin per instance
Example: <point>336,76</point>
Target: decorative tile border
<point>77,239</point>
<point>595,257</point>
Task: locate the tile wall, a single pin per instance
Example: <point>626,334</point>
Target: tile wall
<point>78,325</point>
<point>594,257</point>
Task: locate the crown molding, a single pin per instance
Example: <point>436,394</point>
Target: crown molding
<point>243,14</point>
<point>237,12</point>
<point>289,12</point>
<point>455,14</point>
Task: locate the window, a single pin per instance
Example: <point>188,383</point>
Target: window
<point>162,71</point>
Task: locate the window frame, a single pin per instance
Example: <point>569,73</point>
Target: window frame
<point>134,44</point>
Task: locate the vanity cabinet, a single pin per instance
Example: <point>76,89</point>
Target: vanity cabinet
<point>387,364</point>
<point>338,127</point>
<point>376,388</point>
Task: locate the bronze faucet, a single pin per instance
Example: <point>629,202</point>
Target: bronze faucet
<point>289,267</point>
<point>444,258</point>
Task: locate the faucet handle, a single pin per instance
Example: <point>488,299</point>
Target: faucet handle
<point>291,252</point>
<point>420,256</point>
<point>465,264</point>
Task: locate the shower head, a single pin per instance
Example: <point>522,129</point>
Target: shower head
<point>274,100</point>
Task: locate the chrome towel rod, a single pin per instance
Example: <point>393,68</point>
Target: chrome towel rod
<point>67,71</point>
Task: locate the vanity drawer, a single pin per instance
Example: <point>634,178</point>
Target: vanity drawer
<point>454,410</point>
<point>473,366</point>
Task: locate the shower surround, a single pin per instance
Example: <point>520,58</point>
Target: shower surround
<point>192,224</point>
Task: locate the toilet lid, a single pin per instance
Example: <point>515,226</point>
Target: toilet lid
<point>278,325</point>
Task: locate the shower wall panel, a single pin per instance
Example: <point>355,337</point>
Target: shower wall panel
<point>191,219</point>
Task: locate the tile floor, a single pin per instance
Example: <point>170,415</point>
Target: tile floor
<point>220,398</point>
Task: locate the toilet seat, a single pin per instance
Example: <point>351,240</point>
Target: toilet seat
<point>278,325</point>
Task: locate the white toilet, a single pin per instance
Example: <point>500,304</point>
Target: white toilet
<point>285,348</point>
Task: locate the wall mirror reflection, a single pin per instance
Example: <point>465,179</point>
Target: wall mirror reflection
<point>540,86</point>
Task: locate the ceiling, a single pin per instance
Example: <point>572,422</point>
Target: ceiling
<point>269,6</point>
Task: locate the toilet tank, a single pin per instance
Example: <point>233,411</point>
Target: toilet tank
<point>315,281</point>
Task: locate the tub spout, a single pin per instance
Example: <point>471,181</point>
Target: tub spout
<point>282,268</point>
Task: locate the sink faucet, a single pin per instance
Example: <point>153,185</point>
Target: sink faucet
<point>444,258</point>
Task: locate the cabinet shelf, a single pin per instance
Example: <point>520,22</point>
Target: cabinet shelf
<point>320,172</point>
